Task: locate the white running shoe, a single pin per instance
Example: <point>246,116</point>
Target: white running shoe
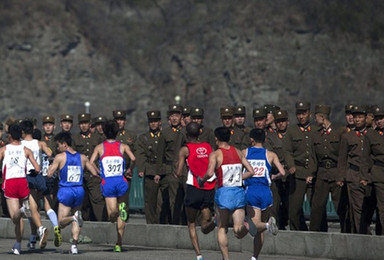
<point>74,250</point>
<point>16,250</point>
<point>43,234</point>
<point>78,218</point>
<point>25,209</point>
<point>273,228</point>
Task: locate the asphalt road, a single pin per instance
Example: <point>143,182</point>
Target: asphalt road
<point>93,252</point>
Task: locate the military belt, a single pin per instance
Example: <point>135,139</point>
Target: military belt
<point>305,165</point>
<point>354,167</point>
<point>378,163</point>
<point>151,177</point>
<point>327,164</point>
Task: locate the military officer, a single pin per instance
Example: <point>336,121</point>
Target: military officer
<point>301,162</point>
<point>326,142</point>
<point>48,129</point>
<point>226,114</point>
<point>146,156</point>
<point>168,149</point>
<point>239,128</point>
<point>186,116</point>
<point>66,122</point>
<point>206,133</point>
<point>260,122</point>
<point>271,109</point>
<point>85,142</point>
<point>279,187</point>
<point>349,117</point>
<point>376,141</point>
<point>98,121</point>
<point>353,168</point>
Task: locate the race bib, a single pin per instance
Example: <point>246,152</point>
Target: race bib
<point>259,168</point>
<point>113,166</point>
<point>74,173</point>
<point>232,175</point>
<point>44,164</point>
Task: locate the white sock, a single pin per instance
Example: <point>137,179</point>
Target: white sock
<point>52,217</point>
<point>267,227</point>
<point>253,258</point>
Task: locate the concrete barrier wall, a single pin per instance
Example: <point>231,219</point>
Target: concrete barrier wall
<point>310,244</point>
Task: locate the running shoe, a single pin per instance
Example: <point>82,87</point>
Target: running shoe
<point>117,249</point>
<point>252,230</point>
<point>58,238</point>
<point>122,212</point>
<point>74,250</point>
<point>16,249</point>
<point>273,228</point>
<point>78,218</point>
<point>25,209</point>
<point>43,234</point>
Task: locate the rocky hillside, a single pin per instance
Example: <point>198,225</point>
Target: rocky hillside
<point>139,54</point>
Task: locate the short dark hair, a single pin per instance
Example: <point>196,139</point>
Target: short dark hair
<point>222,134</point>
<point>36,134</point>
<point>15,131</point>
<point>193,130</point>
<point>64,137</point>
<point>258,135</point>
<point>27,127</point>
<point>110,128</point>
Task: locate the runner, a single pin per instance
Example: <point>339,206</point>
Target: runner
<point>197,198</point>
<point>258,193</point>
<point>227,162</point>
<point>114,185</point>
<point>71,192</point>
<point>15,185</point>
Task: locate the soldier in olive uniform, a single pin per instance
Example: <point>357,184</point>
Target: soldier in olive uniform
<point>376,141</point>
<point>239,128</point>
<point>326,142</point>
<point>226,115</point>
<point>349,118</point>
<point>301,161</point>
<point>186,116</point>
<point>353,169</point>
<point>206,133</point>
<point>98,121</point>
<point>84,143</point>
<point>146,156</point>
<point>168,149</point>
<point>260,122</point>
<point>370,121</point>
<point>66,122</point>
<point>271,109</point>
<point>279,187</point>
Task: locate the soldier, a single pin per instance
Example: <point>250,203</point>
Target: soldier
<point>301,161</point>
<point>146,156</point>
<point>239,128</point>
<point>168,149</point>
<point>186,116</point>
<point>376,141</point>
<point>66,122</point>
<point>50,194</point>
<point>370,116</point>
<point>93,207</point>
<point>226,114</point>
<point>259,122</point>
<point>98,121</point>
<point>279,186</point>
<point>353,168</point>
<point>326,142</point>
<point>349,117</point>
<point>206,134</point>
<point>271,109</point>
